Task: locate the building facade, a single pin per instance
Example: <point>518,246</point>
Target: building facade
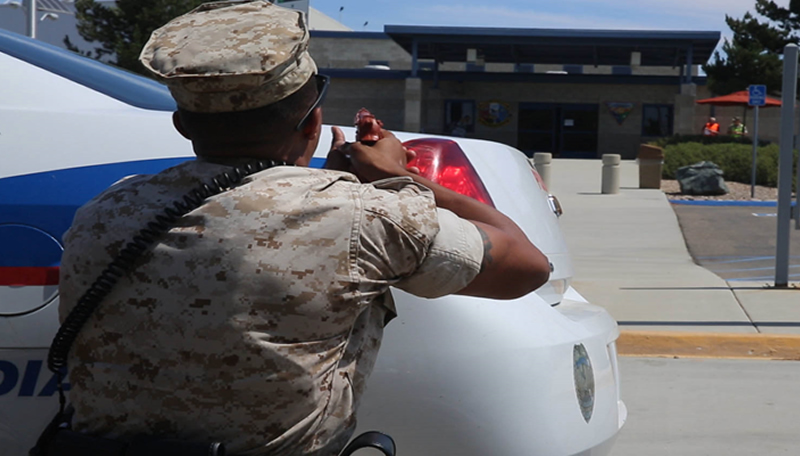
<point>574,93</point>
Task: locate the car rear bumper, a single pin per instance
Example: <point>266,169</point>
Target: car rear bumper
<point>472,376</point>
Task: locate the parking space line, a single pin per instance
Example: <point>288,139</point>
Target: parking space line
<point>745,279</point>
<point>741,259</point>
<point>750,269</point>
<point>726,257</point>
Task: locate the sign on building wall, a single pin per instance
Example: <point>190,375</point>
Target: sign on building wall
<point>620,111</point>
<point>301,5</point>
<point>494,113</point>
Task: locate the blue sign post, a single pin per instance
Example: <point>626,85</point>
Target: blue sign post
<point>758,97</point>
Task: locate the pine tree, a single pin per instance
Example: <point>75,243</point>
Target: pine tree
<point>753,56</point>
<point>121,30</point>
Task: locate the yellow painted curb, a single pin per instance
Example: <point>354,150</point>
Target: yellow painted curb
<point>708,345</point>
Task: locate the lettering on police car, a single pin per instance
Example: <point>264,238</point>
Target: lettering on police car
<point>27,378</point>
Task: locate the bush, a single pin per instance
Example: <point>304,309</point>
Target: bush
<point>734,159</point>
<point>721,139</point>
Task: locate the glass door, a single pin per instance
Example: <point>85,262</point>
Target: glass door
<point>578,130</point>
<point>565,130</point>
<point>537,129</point>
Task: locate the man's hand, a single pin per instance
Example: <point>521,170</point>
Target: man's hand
<point>337,159</point>
<point>387,158</point>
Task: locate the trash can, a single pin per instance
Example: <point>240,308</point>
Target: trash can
<point>651,162</point>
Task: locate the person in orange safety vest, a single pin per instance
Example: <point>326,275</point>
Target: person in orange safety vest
<point>711,127</point>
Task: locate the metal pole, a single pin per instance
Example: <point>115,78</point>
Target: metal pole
<point>30,17</point>
<point>414,58</point>
<point>689,59</point>
<point>755,155</point>
<point>796,209</point>
<point>789,95</point>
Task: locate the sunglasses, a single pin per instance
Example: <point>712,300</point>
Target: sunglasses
<point>322,89</point>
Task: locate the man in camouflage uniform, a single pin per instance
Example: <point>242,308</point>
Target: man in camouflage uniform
<point>257,318</point>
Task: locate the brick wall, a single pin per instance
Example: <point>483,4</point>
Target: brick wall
<point>354,53</point>
<point>612,138</point>
<point>385,98</point>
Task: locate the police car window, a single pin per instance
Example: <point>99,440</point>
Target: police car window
<point>122,85</point>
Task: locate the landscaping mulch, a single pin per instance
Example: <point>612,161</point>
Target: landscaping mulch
<point>738,192</point>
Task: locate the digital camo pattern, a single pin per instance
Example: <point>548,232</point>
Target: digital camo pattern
<point>231,56</point>
<point>257,319</point>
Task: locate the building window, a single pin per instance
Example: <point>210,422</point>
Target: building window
<point>459,117</point>
<point>656,120</point>
<point>573,69</point>
<point>622,70</point>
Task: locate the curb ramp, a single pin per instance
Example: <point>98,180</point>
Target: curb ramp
<point>709,345</point>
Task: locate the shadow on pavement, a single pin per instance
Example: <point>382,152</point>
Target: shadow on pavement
<point>702,288</point>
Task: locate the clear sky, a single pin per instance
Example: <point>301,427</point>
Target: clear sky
<point>707,15</point>
<point>595,14</point>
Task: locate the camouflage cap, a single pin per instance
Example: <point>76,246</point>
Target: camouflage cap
<point>231,55</point>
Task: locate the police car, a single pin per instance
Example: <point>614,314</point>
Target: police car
<point>456,375</point>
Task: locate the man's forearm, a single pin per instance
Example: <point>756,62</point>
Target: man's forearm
<point>469,208</point>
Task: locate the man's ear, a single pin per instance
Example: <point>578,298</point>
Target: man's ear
<point>176,122</point>
<point>313,125</point>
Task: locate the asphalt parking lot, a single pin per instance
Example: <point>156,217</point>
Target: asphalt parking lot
<point>736,242</point>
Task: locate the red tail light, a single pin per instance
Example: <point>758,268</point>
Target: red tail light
<point>28,276</point>
<point>443,162</point>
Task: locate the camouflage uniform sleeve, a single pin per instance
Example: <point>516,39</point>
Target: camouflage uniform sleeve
<point>397,228</point>
<point>453,259</point>
<point>411,244</point>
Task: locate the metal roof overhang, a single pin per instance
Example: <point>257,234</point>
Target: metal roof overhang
<point>556,46</point>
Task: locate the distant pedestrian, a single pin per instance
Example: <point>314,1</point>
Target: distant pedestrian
<point>737,128</point>
<point>711,127</point>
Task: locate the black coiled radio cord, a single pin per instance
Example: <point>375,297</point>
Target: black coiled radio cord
<point>124,262</point>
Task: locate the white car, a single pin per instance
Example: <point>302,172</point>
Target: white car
<point>456,375</point>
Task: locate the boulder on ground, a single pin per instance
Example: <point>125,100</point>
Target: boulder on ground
<point>704,178</point>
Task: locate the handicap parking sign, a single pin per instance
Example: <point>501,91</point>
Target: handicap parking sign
<point>758,95</point>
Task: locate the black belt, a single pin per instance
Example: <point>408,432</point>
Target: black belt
<point>65,442</point>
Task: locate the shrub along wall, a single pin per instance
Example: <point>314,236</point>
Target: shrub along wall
<point>702,139</point>
<point>734,158</point>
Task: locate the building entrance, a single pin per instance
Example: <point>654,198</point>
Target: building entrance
<point>566,130</point>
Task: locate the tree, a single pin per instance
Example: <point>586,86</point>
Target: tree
<point>121,30</point>
<point>753,56</point>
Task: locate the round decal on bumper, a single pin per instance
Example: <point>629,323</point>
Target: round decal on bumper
<point>584,380</point>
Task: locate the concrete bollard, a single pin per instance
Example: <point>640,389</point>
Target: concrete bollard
<point>542,161</point>
<point>610,184</point>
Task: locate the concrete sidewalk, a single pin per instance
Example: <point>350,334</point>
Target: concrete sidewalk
<point>630,257</point>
